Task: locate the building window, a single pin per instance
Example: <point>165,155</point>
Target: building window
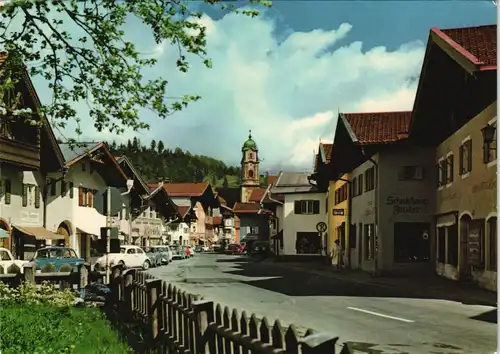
<point>37,197</point>
<point>442,168</point>
<point>308,243</point>
<point>441,244</point>
<point>452,250</point>
<point>449,168</point>
<point>341,194</point>
<point>360,185</point>
<point>254,230</point>
<point>492,236</point>
<point>84,166</point>
<point>411,242</point>
<point>326,205</point>
<point>86,197</point>
<point>25,195</point>
<point>8,191</point>
<point>250,173</point>
<point>52,186</point>
<point>411,173</point>
<point>489,149</point>
<point>63,188</point>
<point>367,241</point>
<point>370,179</point>
<point>306,207</point>
<point>354,187</point>
<point>465,158</point>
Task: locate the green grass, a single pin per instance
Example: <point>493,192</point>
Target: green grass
<point>44,329</point>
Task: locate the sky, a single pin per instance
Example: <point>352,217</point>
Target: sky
<point>287,73</point>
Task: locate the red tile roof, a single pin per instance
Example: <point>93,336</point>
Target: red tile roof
<point>257,194</point>
<point>272,179</point>
<point>478,44</point>
<point>185,189</point>
<point>328,151</point>
<point>248,208</point>
<point>380,127</point>
<point>217,220</point>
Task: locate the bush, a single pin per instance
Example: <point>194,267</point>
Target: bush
<point>43,321</point>
<point>44,329</point>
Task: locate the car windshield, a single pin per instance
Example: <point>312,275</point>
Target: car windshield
<point>147,249</point>
<point>56,253</point>
<point>122,250</point>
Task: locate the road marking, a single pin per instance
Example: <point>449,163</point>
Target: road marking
<point>380,315</point>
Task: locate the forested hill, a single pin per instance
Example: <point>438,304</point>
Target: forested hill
<point>155,162</point>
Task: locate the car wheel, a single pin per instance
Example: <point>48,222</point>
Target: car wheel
<point>146,265</point>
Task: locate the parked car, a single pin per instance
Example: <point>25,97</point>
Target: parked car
<point>164,254</point>
<point>178,252</point>
<point>130,256</point>
<point>205,248</point>
<point>7,260</point>
<point>153,255</point>
<point>58,256</point>
<point>234,249</point>
<point>198,248</point>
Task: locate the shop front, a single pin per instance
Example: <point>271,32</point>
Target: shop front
<point>27,239</point>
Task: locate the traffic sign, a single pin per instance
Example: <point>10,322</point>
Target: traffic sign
<point>100,201</point>
<point>321,226</point>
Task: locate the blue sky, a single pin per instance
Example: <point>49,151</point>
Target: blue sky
<point>287,73</point>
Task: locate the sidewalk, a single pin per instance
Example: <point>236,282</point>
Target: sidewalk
<point>432,286</point>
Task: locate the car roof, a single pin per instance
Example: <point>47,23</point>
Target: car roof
<point>54,247</point>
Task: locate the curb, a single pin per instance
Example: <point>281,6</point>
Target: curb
<point>416,293</point>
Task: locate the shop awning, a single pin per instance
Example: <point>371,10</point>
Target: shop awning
<point>4,233</point>
<point>446,220</point>
<point>40,233</point>
<point>87,232</point>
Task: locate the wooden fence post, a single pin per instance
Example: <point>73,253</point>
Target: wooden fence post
<point>318,343</point>
<point>129,276</point>
<point>83,275</point>
<point>29,271</point>
<point>204,316</point>
<point>153,301</point>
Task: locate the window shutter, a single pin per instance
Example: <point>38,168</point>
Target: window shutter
<point>90,198</point>
<point>80,196</point>
<point>63,188</point>
<point>25,195</point>
<point>37,197</point>
<point>71,191</point>
<point>53,185</point>
<point>297,209</point>
<point>469,155</point>
<point>438,175</point>
<point>451,169</point>
<point>315,206</point>
<point>7,191</point>
<point>461,160</point>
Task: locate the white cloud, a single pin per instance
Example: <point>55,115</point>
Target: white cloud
<point>287,92</point>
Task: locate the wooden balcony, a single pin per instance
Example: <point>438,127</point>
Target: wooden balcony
<point>19,153</point>
<point>209,220</point>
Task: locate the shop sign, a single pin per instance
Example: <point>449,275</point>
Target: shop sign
<point>407,205</point>
<point>474,246</point>
<point>339,212</point>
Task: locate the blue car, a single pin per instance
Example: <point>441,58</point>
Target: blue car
<point>58,256</point>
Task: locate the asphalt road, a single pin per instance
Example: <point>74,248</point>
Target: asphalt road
<point>369,319</point>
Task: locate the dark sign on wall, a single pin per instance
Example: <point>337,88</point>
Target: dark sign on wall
<point>407,205</point>
<point>474,245</point>
<point>339,212</point>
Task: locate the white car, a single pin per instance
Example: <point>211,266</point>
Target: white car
<point>130,256</point>
<point>6,260</point>
<point>205,248</point>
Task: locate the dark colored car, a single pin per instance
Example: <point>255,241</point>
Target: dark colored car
<point>162,254</point>
<point>198,248</point>
<point>58,256</point>
<point>178,252</point>
<point>153,255</point>
<point>234,249</point>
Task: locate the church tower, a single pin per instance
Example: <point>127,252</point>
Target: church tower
<point>249,168</point>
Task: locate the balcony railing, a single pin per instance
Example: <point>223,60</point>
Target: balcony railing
<point>19,153</point>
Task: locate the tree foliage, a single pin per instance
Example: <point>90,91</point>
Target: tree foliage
<point>98,64</point>
<point>155,164</point>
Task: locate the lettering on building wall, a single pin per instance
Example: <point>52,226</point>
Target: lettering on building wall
<point>407,205</point>
<point>446,195</point>
<point>485,185</point>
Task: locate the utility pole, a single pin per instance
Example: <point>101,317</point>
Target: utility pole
<point>108,232</point>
